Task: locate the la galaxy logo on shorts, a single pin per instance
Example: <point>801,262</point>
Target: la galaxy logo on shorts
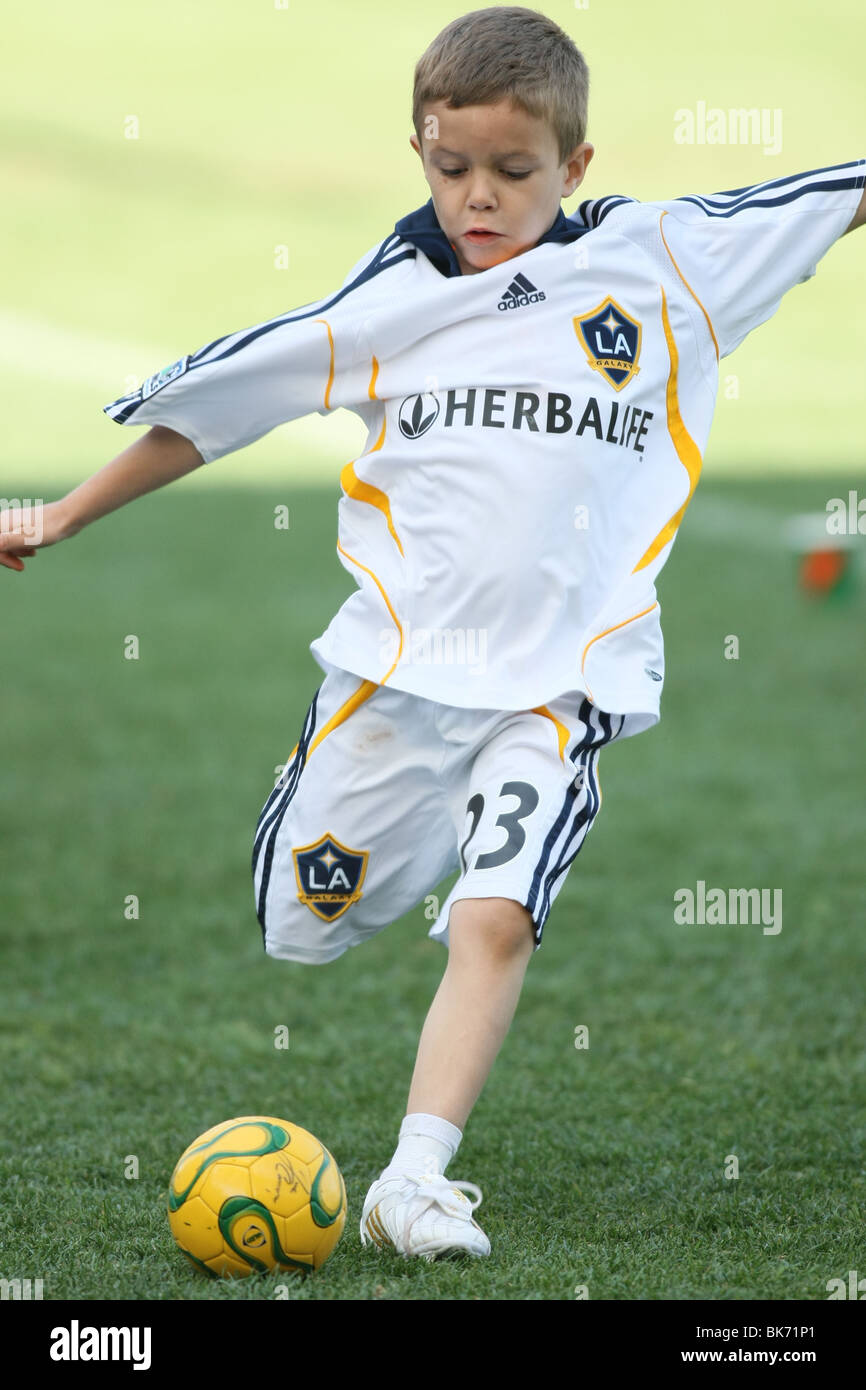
<point>329,876</point>
<point>611,340</point>
<point>164,376</point>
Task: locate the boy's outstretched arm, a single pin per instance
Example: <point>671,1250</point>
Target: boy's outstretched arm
<point>157,458</point>
<point>223,397</point>
<point>859,217</point>
<point>741,250</point>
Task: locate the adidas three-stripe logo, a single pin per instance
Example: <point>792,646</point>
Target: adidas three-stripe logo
<point>521,291</point>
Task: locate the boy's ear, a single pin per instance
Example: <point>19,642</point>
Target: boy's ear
<point>577,163</point>
<point>413,141</point>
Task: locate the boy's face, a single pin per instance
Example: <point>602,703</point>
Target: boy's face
<point>495,168</point>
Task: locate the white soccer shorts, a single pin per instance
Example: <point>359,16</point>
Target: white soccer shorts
<point>387,793</point>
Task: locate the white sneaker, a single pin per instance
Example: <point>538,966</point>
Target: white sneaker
<point>423,1214</point>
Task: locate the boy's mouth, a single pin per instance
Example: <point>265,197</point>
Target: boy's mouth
<point>480,236</point>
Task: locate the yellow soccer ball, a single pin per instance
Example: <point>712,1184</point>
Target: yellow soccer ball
<point>255,1194</point>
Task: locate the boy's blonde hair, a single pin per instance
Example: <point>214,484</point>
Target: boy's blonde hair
<point>507,51</point>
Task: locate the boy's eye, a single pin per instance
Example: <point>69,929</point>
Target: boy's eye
<point>510,173</point>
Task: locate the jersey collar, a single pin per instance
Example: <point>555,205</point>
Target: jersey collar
<point>422,229</point>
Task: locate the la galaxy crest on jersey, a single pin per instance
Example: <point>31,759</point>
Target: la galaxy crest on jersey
<point>611,340</point>
<point>329,876</point>
<point>164,376</point>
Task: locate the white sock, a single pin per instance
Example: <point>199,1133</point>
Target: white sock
<point>426,1144</point>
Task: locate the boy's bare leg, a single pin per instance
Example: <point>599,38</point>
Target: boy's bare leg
<point>490,944</point>
<point>412,1206</point>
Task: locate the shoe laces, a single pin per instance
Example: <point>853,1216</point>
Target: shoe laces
<point>443,1191</point>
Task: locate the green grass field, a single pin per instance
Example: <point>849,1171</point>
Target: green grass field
<point>601,1167</point>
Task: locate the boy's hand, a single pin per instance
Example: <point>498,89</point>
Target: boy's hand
<point>158,457</point>
<point>24,529</point>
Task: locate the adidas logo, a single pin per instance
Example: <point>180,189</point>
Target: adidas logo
<point>521,291</point>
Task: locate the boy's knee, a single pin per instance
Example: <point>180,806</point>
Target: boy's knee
<point>499,926</point>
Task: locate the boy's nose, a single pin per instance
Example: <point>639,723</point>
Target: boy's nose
<point>480,195</point>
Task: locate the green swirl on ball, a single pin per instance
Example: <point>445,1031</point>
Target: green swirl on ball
<point>319,1212</point>
<point>277,1139</point>
<point>235,1207</point>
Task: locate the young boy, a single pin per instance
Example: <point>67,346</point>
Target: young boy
<point>538,391</point>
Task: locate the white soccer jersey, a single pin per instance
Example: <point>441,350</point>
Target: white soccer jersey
<point>536,430</point>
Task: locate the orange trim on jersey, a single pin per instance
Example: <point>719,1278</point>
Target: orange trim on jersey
<point>359,491</point>
<point>331,372</point>
<point>561,731</point>
<point>599,636</point>
<point>687,450</point>
<point>387,604</point>
<point>688,286</point>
